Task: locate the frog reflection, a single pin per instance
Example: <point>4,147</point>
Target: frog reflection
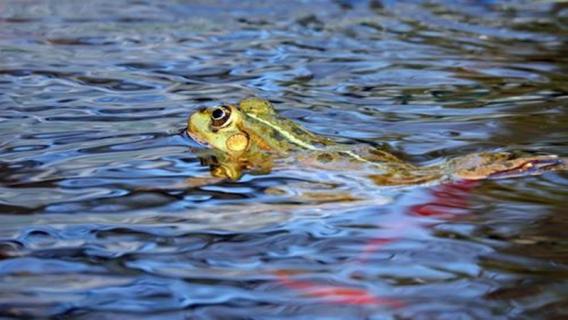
<point>251,137</point>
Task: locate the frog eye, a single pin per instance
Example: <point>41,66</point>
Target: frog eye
<point>220,116</point>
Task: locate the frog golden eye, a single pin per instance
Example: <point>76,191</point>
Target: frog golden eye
<point>220,116</point>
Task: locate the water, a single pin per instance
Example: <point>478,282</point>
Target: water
<point>93,96</point>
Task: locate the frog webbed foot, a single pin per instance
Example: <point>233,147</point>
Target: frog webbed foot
<point>504,165</point>
<point>531,166</point>
<point>229,170</point>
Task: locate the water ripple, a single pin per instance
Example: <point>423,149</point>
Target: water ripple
<point>102,215</point>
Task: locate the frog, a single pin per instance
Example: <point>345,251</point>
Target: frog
<point>251,137</point>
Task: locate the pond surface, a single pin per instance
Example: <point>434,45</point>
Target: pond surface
<point>94,94</point>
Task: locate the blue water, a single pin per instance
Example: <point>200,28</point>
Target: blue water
<point>94,223</point>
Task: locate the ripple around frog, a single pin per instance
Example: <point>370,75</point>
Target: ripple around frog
<point>93,94</point>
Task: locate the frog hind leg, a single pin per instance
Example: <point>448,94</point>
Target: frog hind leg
<point>504,165</point>
<point>532,166</point>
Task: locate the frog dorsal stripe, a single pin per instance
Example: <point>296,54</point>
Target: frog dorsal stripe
<point>358,157</point>
<point>290,137</point>
<point>293,139</point>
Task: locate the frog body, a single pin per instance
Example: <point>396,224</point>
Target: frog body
<point>251,136</point>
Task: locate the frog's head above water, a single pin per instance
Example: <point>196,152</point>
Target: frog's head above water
<point>250,126</point>
<point>219,127</point>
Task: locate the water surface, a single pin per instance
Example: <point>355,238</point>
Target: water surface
<point>93,96</point>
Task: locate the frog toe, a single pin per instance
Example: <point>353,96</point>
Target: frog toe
<point>532,166</point>
<point>510,168</point>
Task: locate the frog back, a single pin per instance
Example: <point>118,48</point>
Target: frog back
<point>276,130</point>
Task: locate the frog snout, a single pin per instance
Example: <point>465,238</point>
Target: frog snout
<point>194,133</point>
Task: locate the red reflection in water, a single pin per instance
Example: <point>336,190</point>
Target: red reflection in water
<point>336,294</point>
<point>449,202</point>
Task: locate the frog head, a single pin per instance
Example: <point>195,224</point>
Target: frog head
<point>250,126</point>
<point>220,127</point>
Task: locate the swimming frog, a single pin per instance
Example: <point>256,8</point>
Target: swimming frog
<point>251,137</point>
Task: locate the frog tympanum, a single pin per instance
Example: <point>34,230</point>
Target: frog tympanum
<point>250,137</point>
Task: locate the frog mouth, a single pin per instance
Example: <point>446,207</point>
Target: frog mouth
<point>195,136</point>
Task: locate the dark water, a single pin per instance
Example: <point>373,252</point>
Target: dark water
<point>93,95</point>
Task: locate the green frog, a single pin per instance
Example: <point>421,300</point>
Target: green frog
<point>251,137</point>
